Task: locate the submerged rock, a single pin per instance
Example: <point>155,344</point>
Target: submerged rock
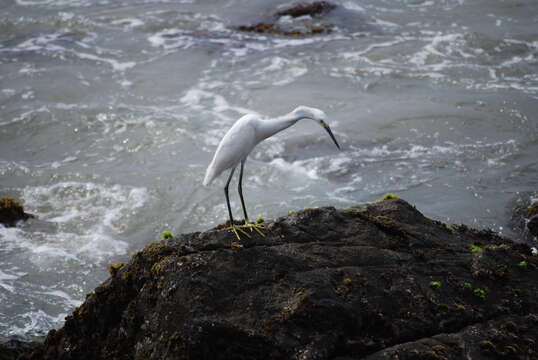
<point>12,212</point>
<point>375,281</point>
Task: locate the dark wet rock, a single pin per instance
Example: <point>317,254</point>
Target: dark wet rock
<point>12,212</point>
<point>509,337</point>
<point>524,219</point>
<point>315,9</point>
<point>375,281</point>
<point>275,29</point>
<point>532,225</point>
<point>13,349</point>
<point>313,20</point>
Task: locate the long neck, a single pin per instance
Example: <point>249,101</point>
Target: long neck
<point>267,128</point>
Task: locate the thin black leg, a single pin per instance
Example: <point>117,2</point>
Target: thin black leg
<point>240,189</point>
<point>228,198</point>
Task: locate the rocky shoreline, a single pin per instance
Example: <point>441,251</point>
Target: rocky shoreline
<point>374,281</point>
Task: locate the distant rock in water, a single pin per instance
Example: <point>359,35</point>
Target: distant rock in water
<point>374,281</point>
<point>12,212</point>
<point>304,19</point>
<point>315,9</point>
<point>274,29</point>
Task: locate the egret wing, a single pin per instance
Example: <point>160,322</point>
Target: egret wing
<point>235,146</point>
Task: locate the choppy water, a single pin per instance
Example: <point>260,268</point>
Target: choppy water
<point>110,112</point>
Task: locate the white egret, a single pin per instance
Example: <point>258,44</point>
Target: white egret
<point>238,142</point>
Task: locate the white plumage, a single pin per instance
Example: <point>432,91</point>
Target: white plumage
<point>235,146</point>
<point>244,135</point>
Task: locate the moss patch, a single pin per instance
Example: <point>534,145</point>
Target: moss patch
<point>167,235</point>
<point>388,196</point>
<point>113,268</point>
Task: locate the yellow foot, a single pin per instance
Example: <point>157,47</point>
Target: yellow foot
<point>236,229</point>
<point>253,227</point>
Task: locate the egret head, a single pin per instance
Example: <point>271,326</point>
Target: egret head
<point>316,115</point>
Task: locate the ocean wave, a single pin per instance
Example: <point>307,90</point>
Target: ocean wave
<point>65,44</point>
<point>90,218</point>
<point>33,324</point>
<point>468,58</point>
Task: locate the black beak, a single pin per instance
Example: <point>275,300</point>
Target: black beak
<point>326,127</point>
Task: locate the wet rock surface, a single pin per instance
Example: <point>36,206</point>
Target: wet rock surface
<point>307,19</point>
<point>375,281</point>
<point>317,8</point>
<point>12,212</point>
<point>524,217</point>
<point>13,349</point>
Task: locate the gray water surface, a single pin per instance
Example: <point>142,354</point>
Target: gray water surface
<point>110,112</point>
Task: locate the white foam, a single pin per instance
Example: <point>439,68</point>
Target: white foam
<point>55,3</point>
<point>421,4</point>
<point>296,167</point>
<point>47,43</point>
<point>441,57</point>
<point>195,98</point>
<point>385,23</point>
<point>280,71</point>
<point>41,42</point>
<point>352,5</point>
<point>6,280</point>
<point>128,23</point>
<point>116,65</point>
<point>171,39</point>
<point>8,92</point>
<point>340,193</point>
<point>199,99</point>
<point>27,115</point>
<point>90,218</point>
<point>339,164</point>
<point>35,323</point>
<point>67,300</point>
<point>359,55</point>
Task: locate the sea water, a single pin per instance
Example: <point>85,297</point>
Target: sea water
<point>110,112</point>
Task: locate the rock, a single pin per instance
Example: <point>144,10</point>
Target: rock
<point>274,29</point>
<point>12,212</point>
<point>532,225</point>
<point>375,281</point>
<point>315,9</point>
<point>308,26</point>
<point>524,219</point>
<point>12,349</point>
<point>309,19</point>
<point>510,337</point>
